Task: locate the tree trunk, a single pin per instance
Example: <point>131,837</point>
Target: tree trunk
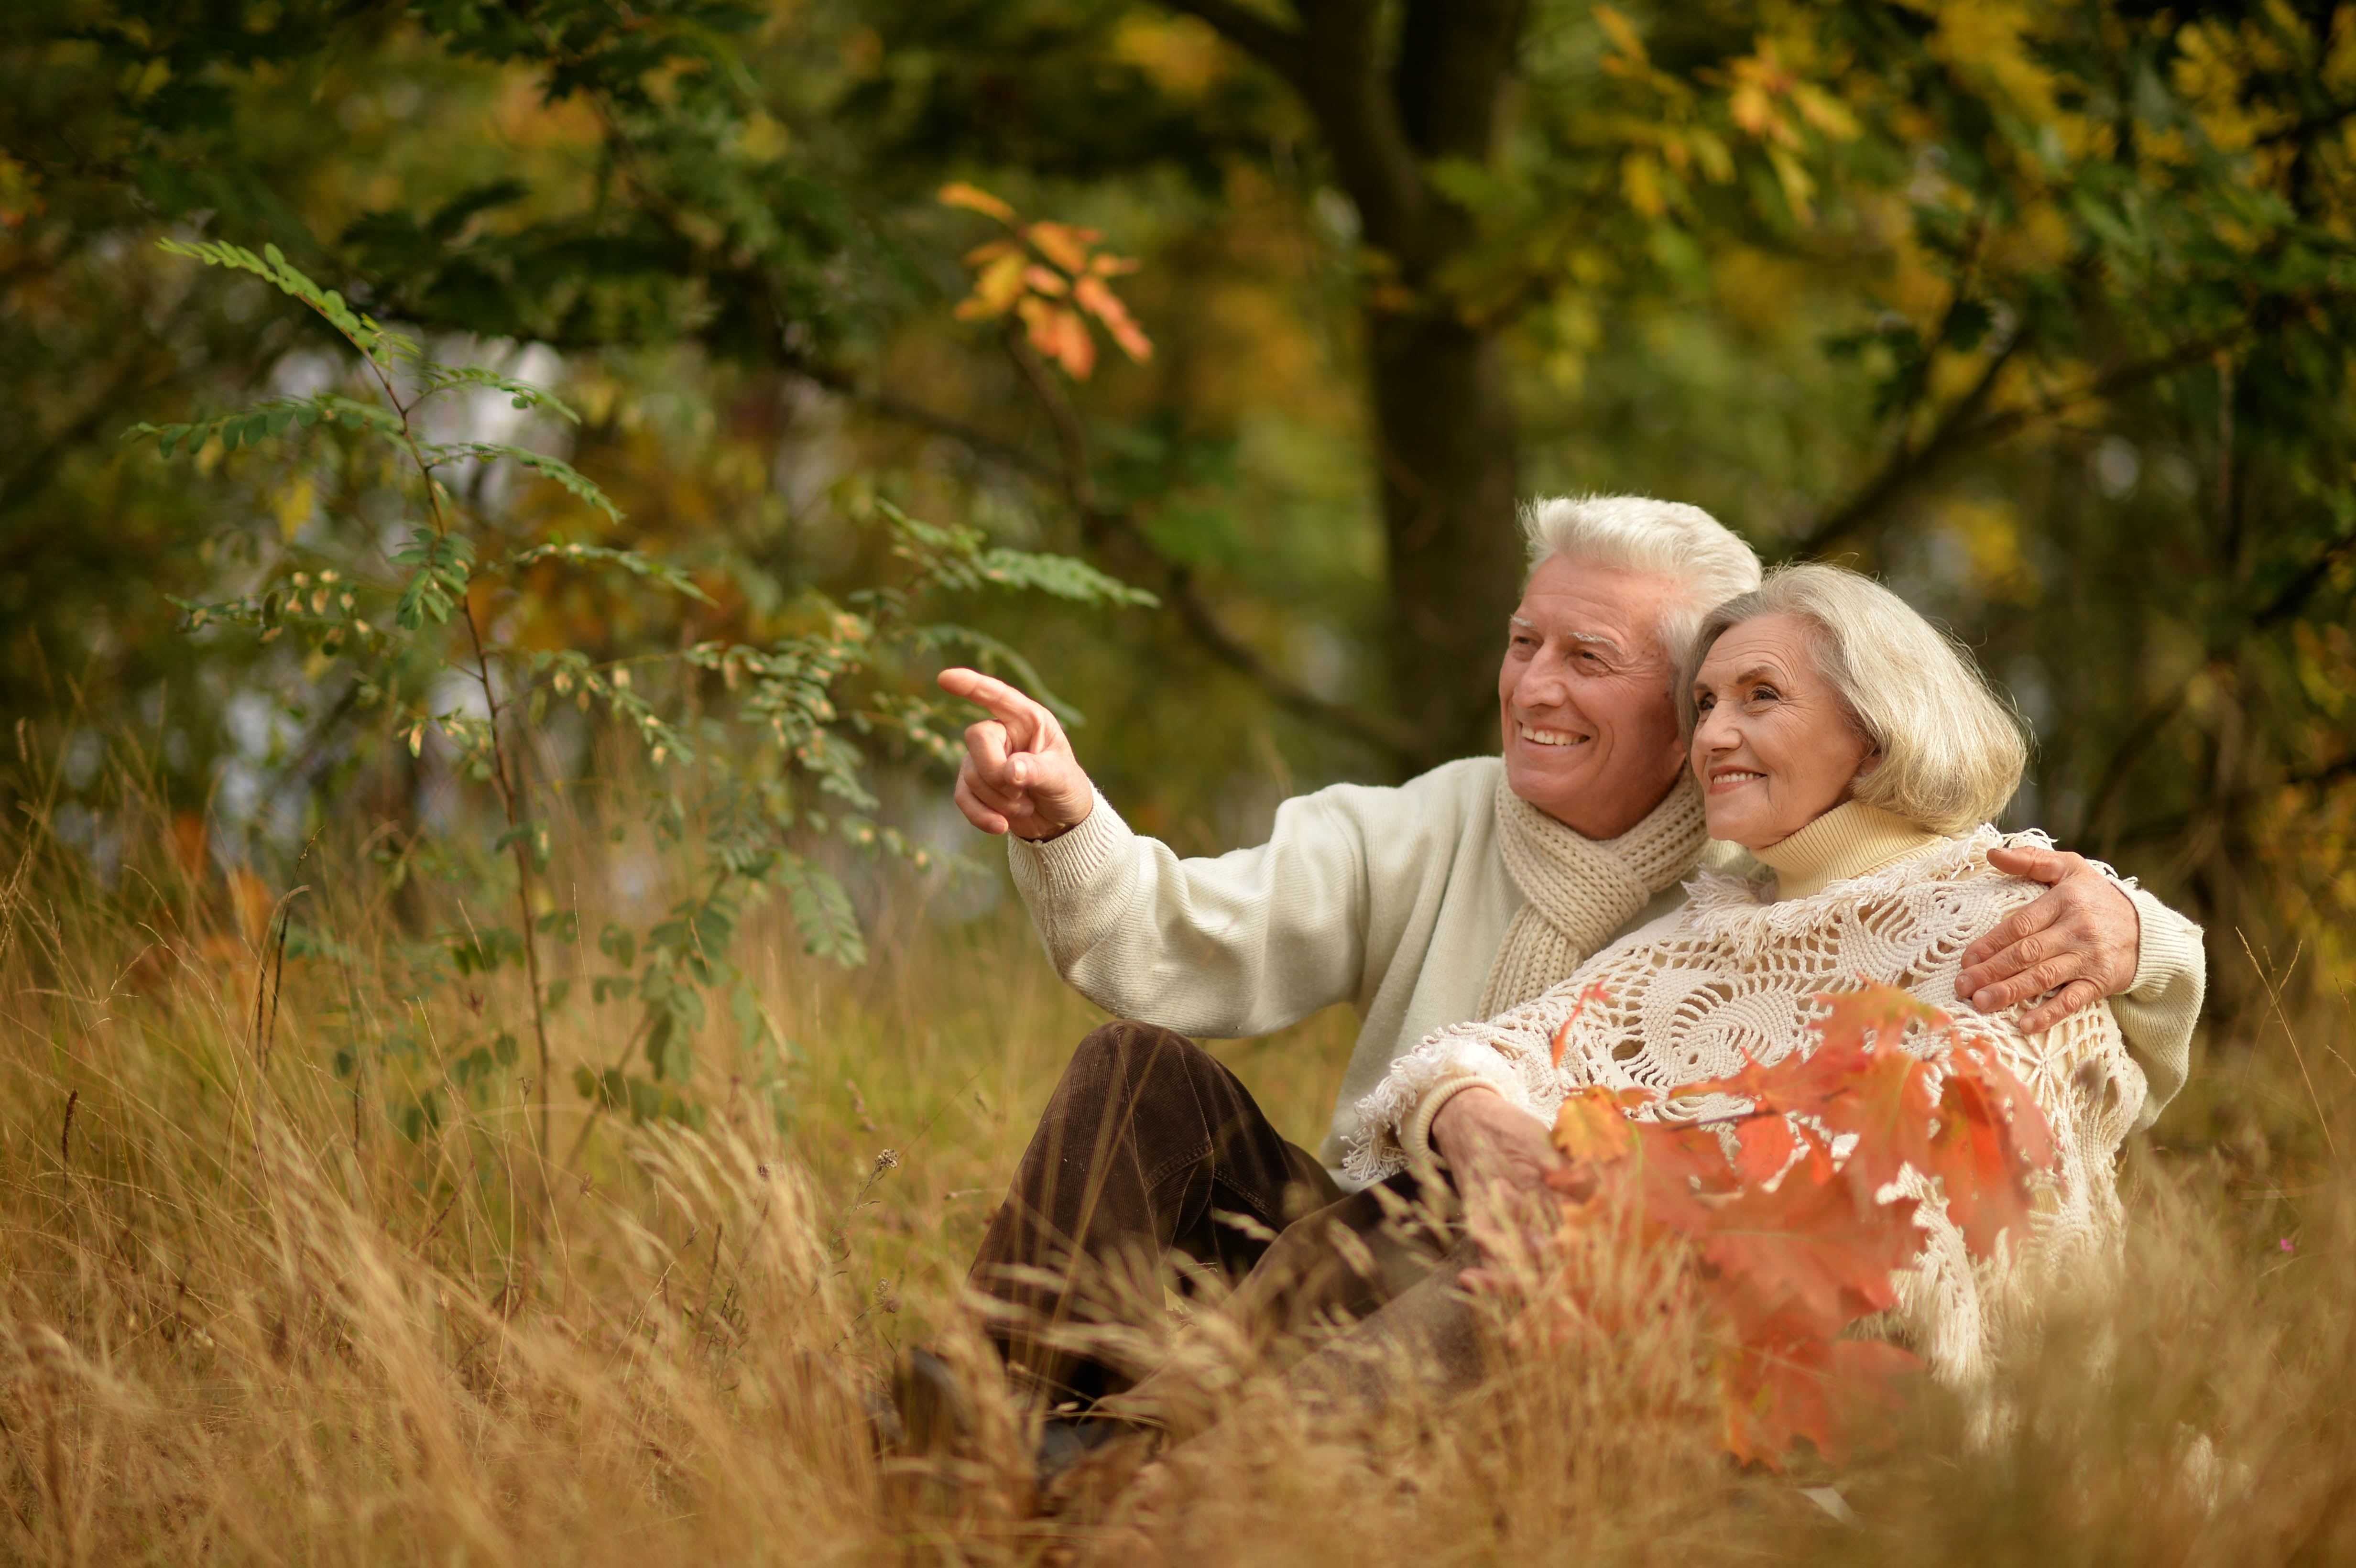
<point>1445,450</point>
<point>1388,108</point>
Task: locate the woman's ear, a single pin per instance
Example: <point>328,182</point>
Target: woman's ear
<point>1872,760</point>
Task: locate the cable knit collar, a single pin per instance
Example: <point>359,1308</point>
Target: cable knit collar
<point>1850,840</point>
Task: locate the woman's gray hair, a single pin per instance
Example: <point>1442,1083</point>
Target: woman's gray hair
<point>1666,538</point>
<point>1950,748</point>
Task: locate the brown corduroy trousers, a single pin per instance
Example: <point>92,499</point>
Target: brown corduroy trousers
<point>1152,1157</point>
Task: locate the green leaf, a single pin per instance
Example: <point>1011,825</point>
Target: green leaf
<point>822,913</point>
<point>363,334</point>
<point>1062,576</point>
<point>554,468</point>
<point>443,377</point>
<point>629,560</point>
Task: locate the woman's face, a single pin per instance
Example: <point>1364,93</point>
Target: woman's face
<point>1774,747</point>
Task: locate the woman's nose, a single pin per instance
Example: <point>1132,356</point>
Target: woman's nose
<point>1713,731</point>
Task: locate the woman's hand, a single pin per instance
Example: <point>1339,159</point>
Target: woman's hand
<point>1500,1158</point>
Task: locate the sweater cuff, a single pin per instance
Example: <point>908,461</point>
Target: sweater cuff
<point>1065,864</point>
<point>2156,1013</point>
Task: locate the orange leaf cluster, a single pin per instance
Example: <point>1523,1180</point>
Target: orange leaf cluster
<point>1789,1244</point>
<point>1052,278</point>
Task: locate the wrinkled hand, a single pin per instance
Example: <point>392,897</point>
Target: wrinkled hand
<point>1018,775</point>
<point>2080,941</point>
<point>1502,1159</point>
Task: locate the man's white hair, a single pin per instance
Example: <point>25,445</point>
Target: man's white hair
<point>1666,538</point>
<point>1949,748</point>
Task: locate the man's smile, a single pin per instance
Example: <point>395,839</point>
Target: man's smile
<point>1534,736</point>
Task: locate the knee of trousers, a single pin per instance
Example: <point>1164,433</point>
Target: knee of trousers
<point>1123,1058</point>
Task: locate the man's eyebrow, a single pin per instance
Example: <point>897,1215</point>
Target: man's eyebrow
<point>1597,638</point>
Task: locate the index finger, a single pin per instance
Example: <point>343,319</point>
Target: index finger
<point>1025,717</point>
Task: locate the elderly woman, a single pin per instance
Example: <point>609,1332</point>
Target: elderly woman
<point>1857,754</point>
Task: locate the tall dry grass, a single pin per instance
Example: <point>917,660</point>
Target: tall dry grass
<point>247,1319</point>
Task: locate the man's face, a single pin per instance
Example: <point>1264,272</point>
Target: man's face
<point>1584,696</point>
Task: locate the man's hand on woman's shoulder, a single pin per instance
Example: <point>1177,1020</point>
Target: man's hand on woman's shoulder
<point>2081,941</point>
<point>1018,775</point>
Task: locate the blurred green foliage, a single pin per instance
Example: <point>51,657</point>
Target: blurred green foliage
<point>2041,310</point>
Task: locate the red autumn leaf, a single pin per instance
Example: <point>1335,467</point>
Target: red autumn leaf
<point>1824,1391</point>
<point>1991,1137</point>
<point>1106,306</point>
<point>1063,244</point>
<point>1888,1104</point>
<point>1681,1172</point>
<point>1806,1258</point>
<point>1595,993</point>
<point>1881,1010</point>
<point>1059,333</point>
<point>2030,1133</point>
<point>1766,1144</point>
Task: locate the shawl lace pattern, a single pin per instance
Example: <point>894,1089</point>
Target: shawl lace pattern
<point>1731,975</point>
<point>1577,890</point>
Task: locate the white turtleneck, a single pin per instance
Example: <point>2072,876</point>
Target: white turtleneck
<point>1852,840</point>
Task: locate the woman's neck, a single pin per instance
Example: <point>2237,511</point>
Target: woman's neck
<point>1849,840</point>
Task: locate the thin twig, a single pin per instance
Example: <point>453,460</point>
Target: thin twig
<point>2273,999</point>
<point>65,1132</point>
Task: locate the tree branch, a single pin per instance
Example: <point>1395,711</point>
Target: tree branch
<point>1908,465</point>
<point>1957,435</point>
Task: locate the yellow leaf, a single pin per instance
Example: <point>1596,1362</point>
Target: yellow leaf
<point>1623,36</point>
<point>1640,182</point>
<point>974,198</point>
<point>1042,281</point>
<point>294,506</point>
<point>1591,1125</point>
<point>996,289</point>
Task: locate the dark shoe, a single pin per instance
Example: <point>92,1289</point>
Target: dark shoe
<point>931,1408</point>
<point>1064,1440</point>
<point>1087,1462</point>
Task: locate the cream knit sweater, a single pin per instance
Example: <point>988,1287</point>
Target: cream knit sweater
<point>1394,900</point>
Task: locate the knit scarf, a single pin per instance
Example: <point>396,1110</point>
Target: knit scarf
<point>1576,891</point>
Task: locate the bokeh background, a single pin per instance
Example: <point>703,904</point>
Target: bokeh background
<point>2042,310</point>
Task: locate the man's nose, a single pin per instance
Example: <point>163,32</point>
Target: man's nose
<point>1544,684</point>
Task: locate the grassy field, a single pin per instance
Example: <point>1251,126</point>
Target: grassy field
<point>248,1317</point>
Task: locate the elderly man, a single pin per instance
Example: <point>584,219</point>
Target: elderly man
<point>1454,896</point>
